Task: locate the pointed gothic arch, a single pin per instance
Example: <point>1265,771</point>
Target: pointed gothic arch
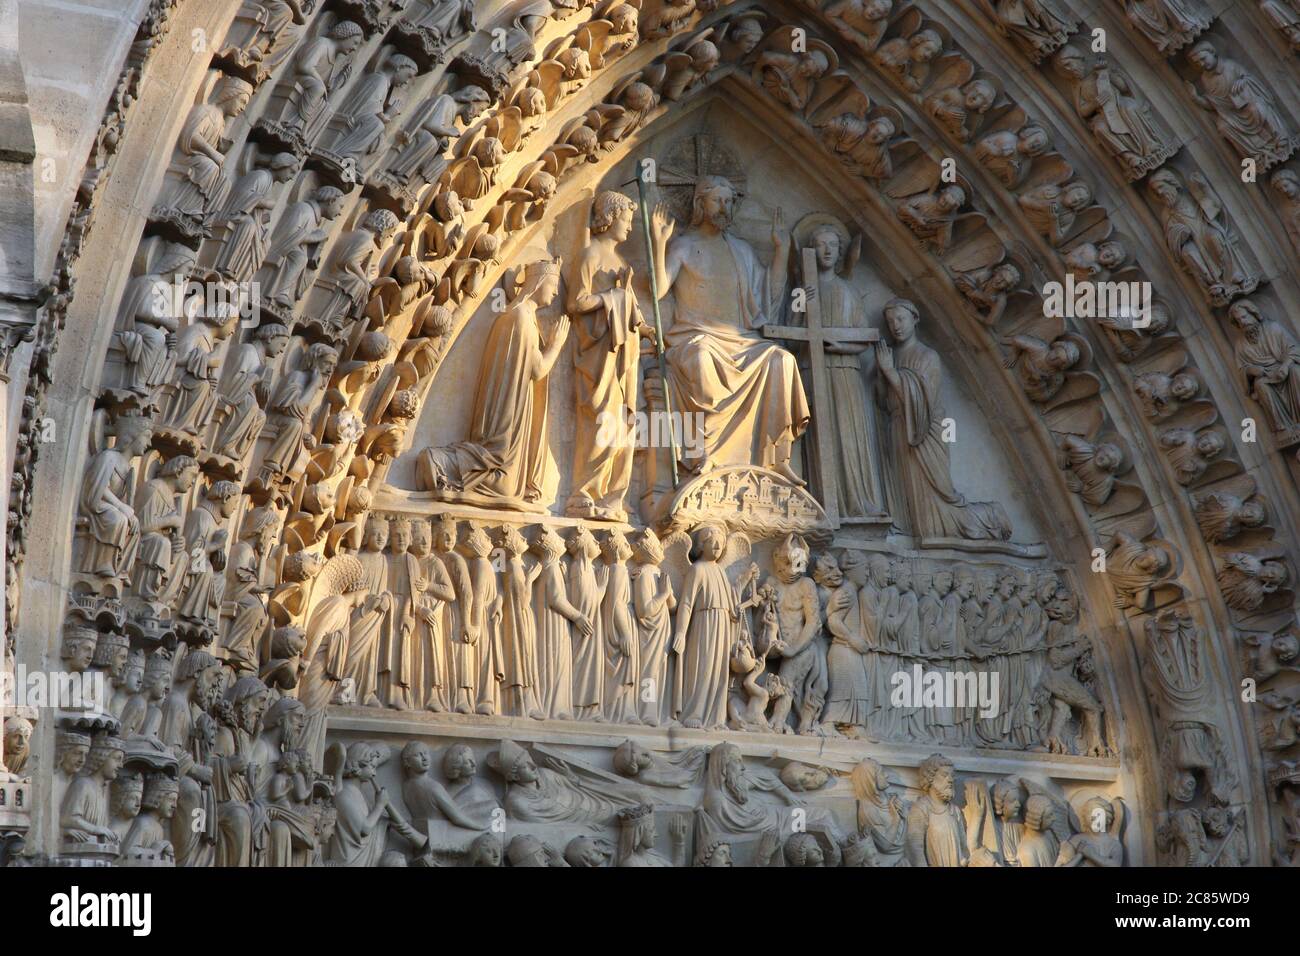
<point>356,429</point>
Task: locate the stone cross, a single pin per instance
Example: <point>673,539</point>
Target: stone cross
<point>816,338</point>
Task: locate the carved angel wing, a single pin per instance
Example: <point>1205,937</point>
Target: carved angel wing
<point>507,125</point>
<point>593,36</point>
<point>836,94</point>
<point>549,78</point>
<point>557,157</point>
<point>336,756</point>
<point>739,548</point>
<point>465,176</point>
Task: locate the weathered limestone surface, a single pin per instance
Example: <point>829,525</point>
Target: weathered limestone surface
<point>612,446</point>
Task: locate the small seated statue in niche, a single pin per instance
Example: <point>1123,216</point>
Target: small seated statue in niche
<point>1089,259</point>
<point>986,289</point>
<point>1052,209</point>
<point>1199,238</point>
<point>1245,112</point>
<point>1190,453</point>
<point>1090,468</point>
<point>862,21</point>
<point>1135,569</point>
<point>1035,26</point>
<point>1169,24</point>
<point>320,67</point>
<point>909,59</point>
<point>1223,516</point>
<point>959,110</point>
<point>930,216</point>
<point>1246,581</point>
<point>1008,155</point>
<point>791,77</point>
<point>1042,365</point>
<point>860,143</point>
<point>1162,395</point>
<point>1268,357</point>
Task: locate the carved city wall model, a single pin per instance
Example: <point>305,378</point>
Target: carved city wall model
<point>560,433</point>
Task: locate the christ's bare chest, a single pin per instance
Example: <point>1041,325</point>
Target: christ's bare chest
<point>708,285</point>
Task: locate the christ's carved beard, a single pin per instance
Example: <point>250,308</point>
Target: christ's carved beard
<point>719,217</point>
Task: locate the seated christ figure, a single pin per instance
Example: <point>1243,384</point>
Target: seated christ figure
<point>746,389</point>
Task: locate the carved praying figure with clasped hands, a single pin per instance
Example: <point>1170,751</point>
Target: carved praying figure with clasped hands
<point>747,389</point>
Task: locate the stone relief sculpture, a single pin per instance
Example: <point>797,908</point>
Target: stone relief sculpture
<point>1169,24</point>
<point>1285,18</point>
<point>608,327</point>
<point>334,597</point>
<point>857,479</point>
<point>1116,112</point>
<point>706,618</point>
<point>111,524</point>
<point>936,830</point>
<point>1193,752</point>
<point>359,127</point>
<point>287,415</point>
<point>586,592</point>
<point>1269,360</point>
<point>910,59</point>
<point>320,67</point>
<point>425,138</point>
<point>1205,248</point>
<point>1244,110</point>
<point>196,174</point>
<point>1035,26</point>
<point>500,460</point>
<point>908,387</point>
<point>1286,184</point>
<point>930,215</point>
<point>294,247</point>
<point>863,21</point>
<point>264,33</point>
<point>242,400</point>
<point>719,366</point>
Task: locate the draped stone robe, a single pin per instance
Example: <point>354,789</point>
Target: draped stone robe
<point>850,426</point>
<point>586,594</point>
<point>709,603</point>
<point>920,455</point>
<point>719,365</point>
<point>606,350</point>
<point>1273,386</point>
<point>1245,112</point>
<point>365,637</point>
<point>500,464</point>
<point>655,630</point>
<point>554,646</point>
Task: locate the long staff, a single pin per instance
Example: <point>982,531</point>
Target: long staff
<point>659,325</point>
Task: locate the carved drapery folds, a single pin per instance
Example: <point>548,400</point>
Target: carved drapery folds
<point>238,535</point>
